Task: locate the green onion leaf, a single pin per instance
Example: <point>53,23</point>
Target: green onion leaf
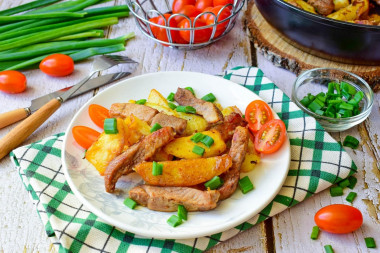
<point>351,197</point>
<point>214,183</point>
<point>314,233</point>
<point>182,212</point>
<point>197,137</point>
<point>370,242</point>
<point>351,142</point>
<point>245,185</point>
<point>172,106</point>
<point>328,249</point>
<point>344,183</point>
<point>141,102</point>
<point>353,180</point>
<point>198,150</point>
<point>186,109</point>
<point>170,97</point>
<point>155,127</point>
<point>110,126</point>
<point>130,203</point>
<point>157,169</point>
<point>208,141</point>
<point>174,221</point>
<point>336,191</point>
<point>209,98</point>
<point>190,89</point>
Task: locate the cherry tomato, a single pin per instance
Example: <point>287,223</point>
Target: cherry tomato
<point>201,35</point>
<point>203,4</point>
<point>12,81</point>
<point>222,2</point>
<point>257,114</point>
<point>85,136</point>
<point>338,219</point>
<point>98,114</point>
<point>57,65</point>
<point>210,19</point>
<point>187,10</point>
<point>270,137</point>
<point>178,4</point>
<point>160,33</point>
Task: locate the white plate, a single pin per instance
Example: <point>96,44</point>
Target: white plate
<point>88,185</point>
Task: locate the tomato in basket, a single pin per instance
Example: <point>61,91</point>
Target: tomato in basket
<point>222,2</point>
<point>160,33</point>
<point>200,36</point>
<point>178,4</point>
<point>201,5</point>
<point>187,10</point>
<point>210,19</point>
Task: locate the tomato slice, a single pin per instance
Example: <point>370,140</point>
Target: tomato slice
<point>270,137</point>
<point>98,114</point>
<point>85,136</point>
<point>257,114</point>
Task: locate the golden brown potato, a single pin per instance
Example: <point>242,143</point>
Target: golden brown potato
<point>106,148</point>
<point>352,11</point>
<point>156,98</point>
<point>134,130</point>
<point>183,147</point>
<point>251,159</point>
<point>161,156</point>
<point>340,4</point>
<point>185,172</point>
<point>306,6</point>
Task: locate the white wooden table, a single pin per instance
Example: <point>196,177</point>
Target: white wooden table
<point>22,231</point>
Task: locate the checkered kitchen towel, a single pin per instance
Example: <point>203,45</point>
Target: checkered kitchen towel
<point>317,162</point>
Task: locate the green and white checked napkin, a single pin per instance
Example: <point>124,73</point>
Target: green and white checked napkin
<point>317,162</point>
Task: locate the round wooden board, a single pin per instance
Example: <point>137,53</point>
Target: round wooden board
<point>276,49</point>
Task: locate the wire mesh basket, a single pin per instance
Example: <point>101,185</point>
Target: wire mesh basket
<point>145,10</point>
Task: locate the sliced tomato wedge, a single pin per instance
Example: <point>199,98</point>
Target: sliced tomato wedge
<point>257,114</point>
<point>270,137</point>
<point>85,136</point>
<point>98,114</point>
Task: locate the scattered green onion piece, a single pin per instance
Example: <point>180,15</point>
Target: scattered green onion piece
<point>130,203</point>
<point>310,96</point>
<point>209,98</point>
<point>322,97</point>
<point>353,180</point>
<point>186,109</point>
<point>346,95</point>
<point>245,185</point>
<point>348,88</point>
<point>344,183</point>
<point>351,197</point>
<point>170,97</point>
<point>190,89</point>
<point>182,212</point>
<point>314,233</point>
<point>351,142</point>
<point>337,88</point>
<point>313,106</point>
<point>198,150</point>
<point>346,106</point>
<point>334,101</point>
<point>358,96</point>
<point>370,242</point>
<point>141,101</point>
<point>197,137</point>
<point>157,169</point>
<point>214,183</point>
<point>305,101</point>
<point>174,221</point>
<point>155,127</point>
<point>328,249</point>
<point>110,126</point>
<point>330,88</point>
<point>243,116</point>
<point>172,106</point>
<point>336,191</point>
<point>207,140</point>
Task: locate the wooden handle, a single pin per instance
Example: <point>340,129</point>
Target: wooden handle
<point>11,117</point>
<point>23,130</point>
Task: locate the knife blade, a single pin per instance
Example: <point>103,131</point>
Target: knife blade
<point>11,117</point>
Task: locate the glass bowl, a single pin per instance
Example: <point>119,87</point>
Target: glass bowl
<point>316,80</point>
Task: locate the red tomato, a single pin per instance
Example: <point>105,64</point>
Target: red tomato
<point>85,136</point>
<point>210,19</point>
<point>98,114</point>
<point>187,10</point>
<point>270,137</point>
<point>203,4</point>
<point>57,65</point>
<point>12,81</point>
<point>201,35</point>
<point>160,33</point>
<point>257,114</point>
<point>222,2</point>
<point>178,4</point>
<point>205,16</point>
<point>338,219</point>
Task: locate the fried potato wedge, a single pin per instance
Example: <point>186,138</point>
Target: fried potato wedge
<point>340,4</point>
<point>251,159</point>
<point>134,130</point>
<point>352,11</point>
<point>156,98</point>
<point>106,148</point>
<point>161,156</point>
<point>183,147</point>
<point>306,6</point>
<point>185,172</point>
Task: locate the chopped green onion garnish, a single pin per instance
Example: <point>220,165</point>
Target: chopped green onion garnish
<point>190,89</point>
<point>306,101</point>
<point>330,88</point>
<point>313,106</point>
<point>353,180</point>
<point>110,126</point>
<point>197,137</point>
<point>157,169</point>
<point>141,102</point>
<point>186,109</point>
<point>370,242</point>
<point>344,183</point>
<point>358,96</point>
<point>346,106</point>
<point>351,142</point>
<point>245,185</point>
<point>170,97</point>
<point>182,212</point>
<point>155,127</point>
<point>336,191</point>
<point>174,221</point>
<point>209,98</point>
<point>351,197</point>
<point>198,150</point>
<point>172,106</point>
<point>130,203</point>
<point>328,249</point>
<point>208,141</point>
<point>314,233</point>
<point>214,183</point>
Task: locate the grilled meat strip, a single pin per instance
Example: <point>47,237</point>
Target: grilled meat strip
<point>164,120</point>
<point>137,153</point>
<point>208,110</point>
<point>324,7</point>
<point>167,199</point>
<point>237,152</point>
<point>124,110</point>
<point>227,128</point>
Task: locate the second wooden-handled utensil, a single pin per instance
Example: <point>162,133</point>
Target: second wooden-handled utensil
<point>23,130</point>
